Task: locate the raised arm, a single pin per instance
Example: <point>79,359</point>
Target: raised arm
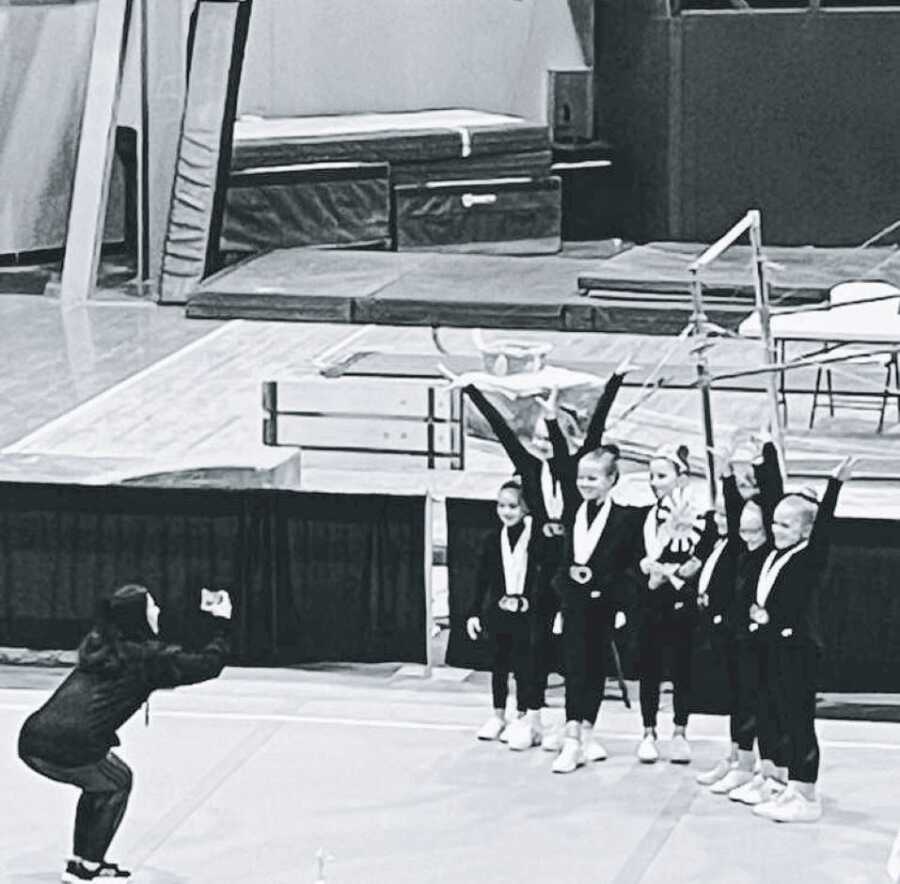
<point>550,413</point>
<point>734,503</point>
<point>558,439</point>
<point>511,443</point>
<point>169,666</point>
<point>770,481</point>
<point>597,425</point>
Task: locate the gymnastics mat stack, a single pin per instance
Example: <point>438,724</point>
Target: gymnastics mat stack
<point>446,180</point>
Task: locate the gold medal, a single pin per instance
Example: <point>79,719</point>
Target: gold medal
<point>580,574</point>
<point>759,615</point>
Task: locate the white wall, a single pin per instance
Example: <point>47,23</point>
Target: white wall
<point>344,56</point>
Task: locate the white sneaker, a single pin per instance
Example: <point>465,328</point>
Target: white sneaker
<point>680,750</point>
<point>647,752</point>
<point>592,748</point>
<point>522,734</point>
<point>768,808</point>
<point>504,736</point>
<point>758,791</point>
<point>797,809</point>
<point>734,779</point>
<point>714,774</point>
<point>492,729</point>
<point>553,740</point>
<point>570,756</point>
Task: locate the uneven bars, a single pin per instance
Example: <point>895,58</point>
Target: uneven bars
<point>721,244</point>
<point>799,363</point>
<point>820,308</point>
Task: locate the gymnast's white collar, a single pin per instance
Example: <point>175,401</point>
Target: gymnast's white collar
<point>586,537</point>
<point>770,571</point>
<point>709,566</point>
<point>551,491</point>
<point>515,560</point>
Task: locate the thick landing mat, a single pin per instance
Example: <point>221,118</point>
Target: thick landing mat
<point>304,285</point>
<point>401,137</point>
<point>797,275</point>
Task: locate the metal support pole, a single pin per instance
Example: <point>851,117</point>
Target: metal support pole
<point>761,289</point>
<point>703,379</point>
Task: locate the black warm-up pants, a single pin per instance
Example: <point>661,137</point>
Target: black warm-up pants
<point>657,631</point>
<point>513,640</point>
<point>587,633</point>
<point>794,673</point>
<point>545,647</point>
<point>543,653</point>
<point>105,787</point>
<point>757,707</point>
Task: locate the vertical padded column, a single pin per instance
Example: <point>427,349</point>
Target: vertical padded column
<point>217,40</point>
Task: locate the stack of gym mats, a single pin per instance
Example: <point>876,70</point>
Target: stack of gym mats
<point>446,180</point>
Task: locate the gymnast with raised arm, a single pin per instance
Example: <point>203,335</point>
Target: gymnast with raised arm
<point>547,470</point>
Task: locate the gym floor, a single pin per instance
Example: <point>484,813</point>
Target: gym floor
<point>248,777</point>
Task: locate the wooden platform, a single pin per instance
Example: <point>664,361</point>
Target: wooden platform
<point>116,403</point>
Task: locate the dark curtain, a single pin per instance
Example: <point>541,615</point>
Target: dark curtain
<point>351,578</point>
<point>859,608</point>
<point>314,577</point>
<point>467,522</point>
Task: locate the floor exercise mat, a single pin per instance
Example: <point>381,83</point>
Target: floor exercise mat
<point>395,138</point>
<point>419,288</point>
<point>797,275</point>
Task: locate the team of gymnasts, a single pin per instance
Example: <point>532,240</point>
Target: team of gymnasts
<point>569,559</point>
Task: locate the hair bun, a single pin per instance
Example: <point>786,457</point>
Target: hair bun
<point>678,456</point>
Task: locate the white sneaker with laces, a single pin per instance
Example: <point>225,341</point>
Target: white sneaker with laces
<point>647,752</point>
<point>680,750</point>
<point>714,774</point>
<point>797,809</point>
<point>492,729</point>
<point>570,756</point>
<point>522,734</point>
<point>734,779</point>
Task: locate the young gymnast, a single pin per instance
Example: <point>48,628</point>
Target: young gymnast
<point>786,610</point>
<point>736,559</point>
<point>70,738</point>
<point>504,609</point>
<point>757,714</point>
<point>671,530</point>
<point>715,596</point>
<point>547,470</point>
<point>592,585</point>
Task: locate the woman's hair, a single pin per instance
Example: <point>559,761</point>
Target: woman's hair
<point>678,456</point>
<point>120,629</point>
